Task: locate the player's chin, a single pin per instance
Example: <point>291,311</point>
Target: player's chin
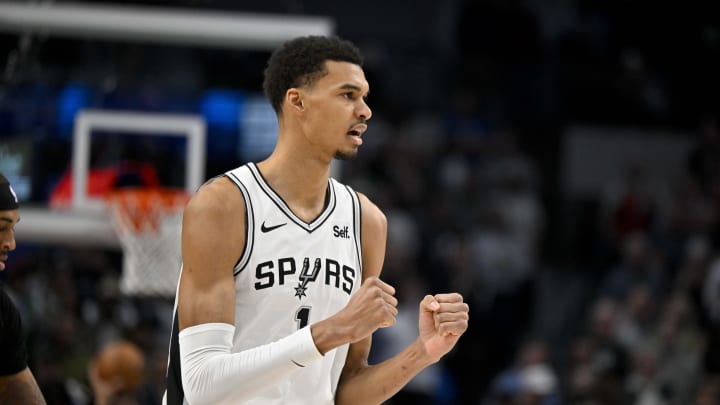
<point>348,154</point>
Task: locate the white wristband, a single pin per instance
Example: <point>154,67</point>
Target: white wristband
<point>212,374</point>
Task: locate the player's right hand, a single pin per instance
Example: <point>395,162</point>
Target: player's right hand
<point>373,306</point>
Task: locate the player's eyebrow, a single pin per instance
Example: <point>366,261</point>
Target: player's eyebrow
<point>8,220</point>
<point>350,86</point>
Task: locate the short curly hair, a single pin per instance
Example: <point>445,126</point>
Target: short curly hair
<point>301,61</point>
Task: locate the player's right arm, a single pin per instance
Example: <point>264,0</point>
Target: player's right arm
<point>213,234</point>
<point>213,239</point>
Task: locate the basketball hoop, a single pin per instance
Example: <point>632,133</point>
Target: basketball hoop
<point>147,222</point>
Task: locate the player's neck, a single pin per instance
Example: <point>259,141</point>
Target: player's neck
<point>302,183</point>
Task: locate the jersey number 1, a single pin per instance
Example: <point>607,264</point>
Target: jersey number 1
<point>302,317</point>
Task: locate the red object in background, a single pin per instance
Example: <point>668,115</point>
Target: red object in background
<point>101,181</point>
<point>634,213</point>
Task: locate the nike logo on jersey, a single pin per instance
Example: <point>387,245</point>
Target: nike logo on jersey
<point>296,363</point>
<point>266,229</point>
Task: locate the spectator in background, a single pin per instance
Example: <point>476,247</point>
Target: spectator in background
<point>703,162</point>
<point>17,382</point>
<point>643,385</point>
<point>639,264</point>
<point>680,346</point>
<point>531,380</point>
<point>637,317</point>
<point>581,376</point>
<point>609,359</point>
<point>116,373</point>
<point>710,312</point>
<point>631,204</point>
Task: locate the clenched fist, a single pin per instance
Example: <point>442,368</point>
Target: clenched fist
<point>373,306</point>
<point>443,318</point>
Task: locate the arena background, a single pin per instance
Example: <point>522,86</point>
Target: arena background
<point>556,161</point>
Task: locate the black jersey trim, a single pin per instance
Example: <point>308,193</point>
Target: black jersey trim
<point>174,391</point>
<point>282,205</point>
<point>357,223</point>
<point>249,227</point>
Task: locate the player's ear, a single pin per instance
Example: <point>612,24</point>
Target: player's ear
<point>295,100</point>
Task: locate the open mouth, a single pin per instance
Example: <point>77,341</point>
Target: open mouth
<point>357,130</point>
<point>356,133</point>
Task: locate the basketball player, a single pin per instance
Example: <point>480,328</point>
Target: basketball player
<point>280,291</point>
<point>17,383</point>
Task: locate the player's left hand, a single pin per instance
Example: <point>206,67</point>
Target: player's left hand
<point>443,319</point>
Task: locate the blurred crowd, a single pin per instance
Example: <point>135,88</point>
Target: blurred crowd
<point>470,218</point>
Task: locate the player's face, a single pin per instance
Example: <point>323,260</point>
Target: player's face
<point>337,109</point>
<point>8,219</point>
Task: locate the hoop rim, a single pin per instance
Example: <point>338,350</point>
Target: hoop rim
<point>143,191</point>
<point>139,209</point>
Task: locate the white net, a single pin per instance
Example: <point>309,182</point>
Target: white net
<point>148,226</point>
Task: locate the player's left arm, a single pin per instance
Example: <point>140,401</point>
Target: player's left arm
<point>20,388</point>
<point>443,318</point>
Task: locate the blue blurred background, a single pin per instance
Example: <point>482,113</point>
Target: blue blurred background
<point>557,162</point>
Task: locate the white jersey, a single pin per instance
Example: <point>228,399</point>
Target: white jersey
<point>292,274</point>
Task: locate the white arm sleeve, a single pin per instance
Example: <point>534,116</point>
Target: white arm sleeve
<point>211,373</point>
